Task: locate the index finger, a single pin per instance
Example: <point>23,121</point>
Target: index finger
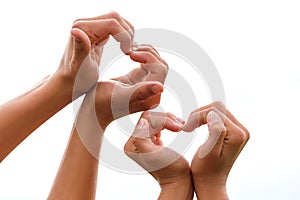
<point>99,31</point>
<point>123,22</point>
<point>154,122</point>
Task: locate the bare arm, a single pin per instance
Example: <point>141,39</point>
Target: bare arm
<point>77,175</point>
<point>22,115</point>
<point>170,169</point>
<point>76,75</point>
<point>214,159</point>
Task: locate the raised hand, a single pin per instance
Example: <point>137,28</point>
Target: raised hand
<point>80,62</point>
<point>214,159</point>
<point>138,90</point>
<point>170,169</point>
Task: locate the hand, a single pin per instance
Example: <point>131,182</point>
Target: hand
<point>82,56</point>
<point>214,159</point>
<point>113,99</point>
<point>152,67</point>
<point>139,90</point>
<point>169,168</point>
<point>146,148</point>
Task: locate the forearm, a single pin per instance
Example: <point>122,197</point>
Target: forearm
<point>76,178</point>
<point>182,189</point>
<point>77,175</point>
<point>22,115</point>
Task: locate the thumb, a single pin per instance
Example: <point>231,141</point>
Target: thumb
<point>140,141</point>
<point>144,90</point>
<point>128,99</point>
<point>145,96</point>
<point>142,129</point>
<point>214,143</point>
<point>81,45</point>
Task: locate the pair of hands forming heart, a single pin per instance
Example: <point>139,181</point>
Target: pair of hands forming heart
<point>212,162</point>
<point>140,90</point>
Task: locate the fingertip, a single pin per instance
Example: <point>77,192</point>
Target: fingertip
<point>189,126</point>
<point>82,42</point>
<point>137,56</point>
<point>76,33</point>
<point>157,88</point>
<point>142,123</point>
<point>215,123</point>
<point>125,46</point>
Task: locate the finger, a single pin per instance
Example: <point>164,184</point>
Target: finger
<point>167,121</point>
<point>158,121</point>
<point>232,133</point>
<point>216,105</point>
<point>81,45</point>
<point>237,123</point>
<point>98,50</point>
<point>199,117</point>
<point>217,132</point>
<point>150,49</point>
<point>146,57</point>
<point>113,15</point>
<point>134,76</point>
<point>143,105</point>
<point>230,126</point>
<point>99,31</point>
<point>221,107</point>
<point>139,142</point>
<point>127,99</point>
<point>157,70</point>
<point>144,90</point>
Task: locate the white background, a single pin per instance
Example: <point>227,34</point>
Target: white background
<point>254,44</point>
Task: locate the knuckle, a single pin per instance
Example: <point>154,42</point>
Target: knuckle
<point>212,109</point>
<point>240,137</point>
<point>78,23</point>
<point>112,22</point>
<point>219,105</point>
<point>165,64</point>
<point>247,134</point>
<point>115,15</point>
<point>169,114</point>
<point>127,146</point>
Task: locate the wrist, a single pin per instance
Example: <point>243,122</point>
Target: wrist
<point>177,188</point>
<point>67,84</point>
<point>212,190</point>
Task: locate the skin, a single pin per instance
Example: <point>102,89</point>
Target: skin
<point>139,90</point>
<point>211,164</point>
<point>213,160</point>
<point>76,75</point>
<point>109,100</point>
<point>105,101</point>
<point>170,169</point>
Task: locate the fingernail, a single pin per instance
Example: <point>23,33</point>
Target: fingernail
<point>142,123</point>
<point>180,125</point>
<point>180,120</point>
<point>134,46</point>
<point>213,117</point>
<point>155,89</point>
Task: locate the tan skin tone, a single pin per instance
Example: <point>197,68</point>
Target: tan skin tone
<point>211,171</point>
<point>211,164</point>
<point>76,75</point>
<point>133,92</point>
<point>170,169</point>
